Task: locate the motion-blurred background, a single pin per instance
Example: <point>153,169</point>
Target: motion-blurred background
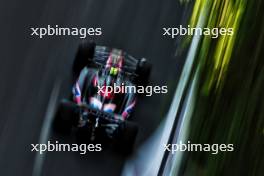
<point>228,98</point>
<point>215,85</point>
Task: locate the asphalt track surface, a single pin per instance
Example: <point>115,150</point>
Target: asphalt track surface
<point>30,67</point>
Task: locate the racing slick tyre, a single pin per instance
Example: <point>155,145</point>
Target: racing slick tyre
<point>143,71</point>
<point>66,117</point>
<point>126,138</point>
<point>84,56</point>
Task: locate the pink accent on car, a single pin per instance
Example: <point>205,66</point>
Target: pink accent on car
<point>128,109</point>
<point>95,81</point>
<point>77,94</point>
<point>109,61</point>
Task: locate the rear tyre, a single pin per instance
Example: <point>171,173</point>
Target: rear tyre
<point>126,137</point>
<point>66,117</point>
<point>143,71</point>
<point>84,56</point>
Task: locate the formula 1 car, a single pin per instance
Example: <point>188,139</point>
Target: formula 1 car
<point>93,110</point>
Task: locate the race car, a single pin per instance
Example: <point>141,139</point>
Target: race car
<point>99,113</point>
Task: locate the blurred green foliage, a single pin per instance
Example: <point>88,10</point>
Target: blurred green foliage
<point>230,99</point>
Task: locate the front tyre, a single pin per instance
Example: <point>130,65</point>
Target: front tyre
<point>126,137</point>
<point>84,56</point>
<point>66,116</point>
<point>143,71</point>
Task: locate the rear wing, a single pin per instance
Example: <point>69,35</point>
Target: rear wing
<point>102,53</point>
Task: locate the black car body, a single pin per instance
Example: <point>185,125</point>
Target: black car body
<point>95,109</point>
